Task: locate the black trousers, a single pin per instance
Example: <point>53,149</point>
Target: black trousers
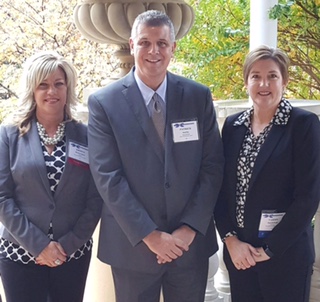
<point>36,283</point>
<point>178,284</point>
<point>270,282</point>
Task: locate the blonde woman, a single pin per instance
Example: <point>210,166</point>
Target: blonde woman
<point>49,205</point>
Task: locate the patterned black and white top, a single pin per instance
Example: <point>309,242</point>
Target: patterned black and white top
<point>248,153</point>
<point>55,163</point>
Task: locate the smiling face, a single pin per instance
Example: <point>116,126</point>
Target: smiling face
<point>265,84</point>
<point>51,95</point>
<point>152,50</point>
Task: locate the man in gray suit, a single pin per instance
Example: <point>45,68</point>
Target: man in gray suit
<point>156,157</point>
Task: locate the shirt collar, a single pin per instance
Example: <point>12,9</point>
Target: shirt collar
<point>147,92</point>
<point>281,116</point>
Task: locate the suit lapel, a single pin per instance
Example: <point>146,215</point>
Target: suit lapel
<point>266,150</point>
<point>232,144</point>
<point>71,135</point>
<point>136,103</point>
<point>236,136</point>
<point>37,155</point>
<point>174,97</point>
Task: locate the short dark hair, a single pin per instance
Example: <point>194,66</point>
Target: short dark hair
<point>264,52</point>
<point>153,18</point>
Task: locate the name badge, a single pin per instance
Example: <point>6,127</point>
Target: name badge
<point>78,154</point>
<point>268,221</point>
<point>185,131</point>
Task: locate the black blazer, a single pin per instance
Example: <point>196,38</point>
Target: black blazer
<point>286,178</point>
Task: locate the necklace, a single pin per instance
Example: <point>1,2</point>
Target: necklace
<point>51,141</point>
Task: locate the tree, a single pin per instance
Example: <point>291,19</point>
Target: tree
<point>215,48</point>
<point>33,25</point>
<point>212,53</point>
<point>299,36</point>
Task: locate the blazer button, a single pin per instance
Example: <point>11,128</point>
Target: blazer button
<point>51,207</point>
<point>167,185</point>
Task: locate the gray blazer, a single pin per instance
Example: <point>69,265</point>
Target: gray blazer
<point>27,205</point>
<point>145,188</point>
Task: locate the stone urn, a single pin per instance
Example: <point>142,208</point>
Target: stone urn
<point>110,22</point>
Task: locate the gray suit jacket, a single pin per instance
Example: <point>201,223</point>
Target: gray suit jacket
<point>26,203</point>
<point>145,188</point>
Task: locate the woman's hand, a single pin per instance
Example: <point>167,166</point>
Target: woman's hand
<point>53,255</point>
<point>263,256</point>
<point>243,255</point>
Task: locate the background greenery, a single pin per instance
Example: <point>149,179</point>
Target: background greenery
<point>212,53</point>
<point>215,48</point>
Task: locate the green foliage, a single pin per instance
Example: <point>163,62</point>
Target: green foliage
<point>212,53</point>
<point>214,50</point>
<point>215,47</point>
<point>281,9</point>
<point>299,36</point>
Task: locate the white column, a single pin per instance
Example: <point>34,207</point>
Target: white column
<point>315,280</point>
<point>263,31</point>
<point>211,293</point>
<point>222,276</point>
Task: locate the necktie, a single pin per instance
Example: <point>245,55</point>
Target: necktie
<point>158,115</point>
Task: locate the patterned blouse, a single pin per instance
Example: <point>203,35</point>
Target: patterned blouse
<point>55,164</point>
<point>248,153</point>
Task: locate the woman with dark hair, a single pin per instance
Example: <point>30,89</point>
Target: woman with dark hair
<point>271,188</point>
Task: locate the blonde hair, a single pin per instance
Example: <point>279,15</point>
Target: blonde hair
<point>37,69</point>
